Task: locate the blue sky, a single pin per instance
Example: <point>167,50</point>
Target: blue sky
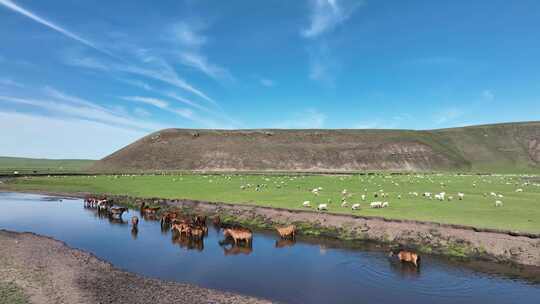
<point>83,78</point>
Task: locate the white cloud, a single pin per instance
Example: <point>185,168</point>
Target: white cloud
<point>65,106</point>
<point>52,137</point>
<point>10,83</point>
<point>323,66</point>
<point>156,68</point>
<point>149,101</point>
<point>141,112</point>
<point>200,62</point>
<point>327,14</point>
<point>308,119</point>
<point>16,8</point>
<point>189,35</point>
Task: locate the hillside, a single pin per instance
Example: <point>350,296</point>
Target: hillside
<point>512,147</point>
<point>36,165</point>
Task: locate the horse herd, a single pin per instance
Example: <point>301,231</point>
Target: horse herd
<point>189,231</point>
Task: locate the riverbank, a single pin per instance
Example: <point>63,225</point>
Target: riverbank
<point>48,271</point>
<point>456,241</point>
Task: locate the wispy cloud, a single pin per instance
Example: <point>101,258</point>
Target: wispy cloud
<point>149,101</point>
<point>189,38</point>
<point>10,82</point>
<point>57,103</point>
<point>160,69</point>
<point>188,34</point>
<point>16,8</point>
<point>327,14</point>
<point>323,66</point>
<point>307,119</point>
<point>200,62</point>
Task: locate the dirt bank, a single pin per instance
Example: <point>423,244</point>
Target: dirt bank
<point>434,238</point>
<point>48,271</point>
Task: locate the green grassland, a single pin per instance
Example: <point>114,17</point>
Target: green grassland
<point>8,165</point>
<point>520,212</point>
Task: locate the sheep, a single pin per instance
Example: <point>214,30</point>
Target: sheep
<point>450,198</point>
<point>344,204</point>
<point>322,207</point>
<point>375,205</point>
<point>519,190</point>
<point>363,197</point>
<point>355,206</point>
<point>344,192</point>
<point>306,204</point>
<point>385,204</point>
<point>498,204</point>
<point>461,195</point>
<point>399,196</point>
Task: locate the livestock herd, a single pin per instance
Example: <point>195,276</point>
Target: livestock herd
<point>189,230</point>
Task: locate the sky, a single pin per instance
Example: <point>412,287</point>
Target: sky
<point>80,79</point>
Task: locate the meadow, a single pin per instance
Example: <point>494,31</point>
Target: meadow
<point>520,210</point>
<point>8,165</point>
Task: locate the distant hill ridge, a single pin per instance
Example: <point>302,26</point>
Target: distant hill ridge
<point>508,147</point>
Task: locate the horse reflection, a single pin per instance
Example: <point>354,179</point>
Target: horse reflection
<point>283,243</point>
<point>187,242</point>
<point>134,232</point>
<point>236,250</point>
<point>405,270</point>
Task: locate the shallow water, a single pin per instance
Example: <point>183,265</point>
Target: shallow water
<point>306,272</point>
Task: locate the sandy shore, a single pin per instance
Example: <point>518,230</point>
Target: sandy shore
<point>48,271</point>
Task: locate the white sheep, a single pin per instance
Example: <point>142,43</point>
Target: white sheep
<point>498,204</point>
<point>375,205</point>
<point>344,192</point>
<point>322,207</point>
<point>363,197</point>
<point>519,190</point>
<point>344,204</point>
<point>307,204</point>
<point>355,206</point>
<point>460,195</point>
<point>385,204</point>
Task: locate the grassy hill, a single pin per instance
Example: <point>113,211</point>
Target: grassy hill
<point>511,147</point>
<point>43,166</point>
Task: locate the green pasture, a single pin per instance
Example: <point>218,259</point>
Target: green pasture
<point>9,165</point>
<point>520,212</point>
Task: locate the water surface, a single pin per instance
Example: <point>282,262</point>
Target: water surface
<point>307,272</point>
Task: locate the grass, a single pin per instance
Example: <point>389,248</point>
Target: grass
<point>10,293</point>
<point>8,165</point>
<point>521,211</point>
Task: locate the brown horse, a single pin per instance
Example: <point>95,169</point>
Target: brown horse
<point>239,235</point>
<point>287,232</point>
<point>409,257</point>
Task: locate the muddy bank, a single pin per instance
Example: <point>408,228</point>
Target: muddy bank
<point>48,271</point>
<point>441,239</point>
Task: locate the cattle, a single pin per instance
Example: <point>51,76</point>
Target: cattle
<point>239,235</point>
<point>287,232</point>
